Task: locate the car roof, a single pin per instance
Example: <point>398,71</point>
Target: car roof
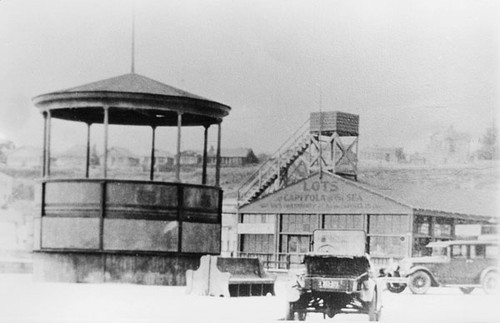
<point>441,244</point>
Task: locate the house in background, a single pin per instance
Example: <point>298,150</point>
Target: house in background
<point>6,188</point>
<point>121,158</point>
<point>6,147</point>
<point>233,157</point>
<point>73,157</point>
<point>76,156</point>
<point>190,158</point>
<point>25,157</point>
<point>449,147</point>
<point>163,161</point>
<point>416,159</point>
<point>378,154</point>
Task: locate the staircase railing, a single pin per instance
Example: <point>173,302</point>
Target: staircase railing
<point>268,175</point>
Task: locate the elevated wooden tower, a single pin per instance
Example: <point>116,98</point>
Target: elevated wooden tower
<point>326,142</point>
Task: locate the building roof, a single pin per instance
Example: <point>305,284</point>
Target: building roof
<point>457,201</point>
<point>466,204</point>
<point>443,244</point>
<point>379,149</point>
<point>4,178</point>
<point>121,152</point>
<point>190,153</point>
<point>160,153</point>
<point>451,134</point>
<point>25,151</point>
<point>230,152</point>
<point>78,151</point>
<point>326,194</point>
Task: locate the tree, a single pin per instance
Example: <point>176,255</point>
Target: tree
<point>400,155</point>
<point>94,158</point>
<point>489,144</point>
<point>5,147</point>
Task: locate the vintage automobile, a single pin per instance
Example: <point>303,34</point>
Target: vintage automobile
<point>337,277</point>
<point>466,264</point>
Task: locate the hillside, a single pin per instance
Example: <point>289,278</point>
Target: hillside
<point>480,177</point>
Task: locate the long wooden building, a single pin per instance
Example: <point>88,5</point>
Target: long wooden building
<point>278,228</point>
<point>311,183</point>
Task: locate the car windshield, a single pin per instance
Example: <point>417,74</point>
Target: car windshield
<point>336,266</point>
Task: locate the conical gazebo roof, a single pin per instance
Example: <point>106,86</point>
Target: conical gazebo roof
<point>132,83</point>
<point>132,99</point>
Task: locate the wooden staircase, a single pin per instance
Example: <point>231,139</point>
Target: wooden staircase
<point>273,173</point>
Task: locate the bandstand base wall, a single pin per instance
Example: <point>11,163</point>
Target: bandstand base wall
<point>113,268</point>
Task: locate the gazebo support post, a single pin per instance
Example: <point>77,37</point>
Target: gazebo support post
<point>106,126</point>
<point>44,152</point>
<point>152,169</point>
<point>178,156</point>
<point>205,156</point>
<point>47,155</point>
<point>87,159</point>
<point>217,161</point>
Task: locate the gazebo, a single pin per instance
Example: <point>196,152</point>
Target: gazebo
<point>100,229</point>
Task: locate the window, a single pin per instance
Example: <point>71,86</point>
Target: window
<point>422,225</point>
<point>459,251</point>
<point>489,229</point>
<point>344,221</point>
<point>299,223</point>
<point>491,252</point>
<point>258,243</point>
<point>388,224</point>
<point>258,218</point>
<point>419,247</point>
<point>442,229</point>
<point>478,251</point>
<point>388,246</point>
<point>298,244</point>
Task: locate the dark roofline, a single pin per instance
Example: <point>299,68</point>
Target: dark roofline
<point>456,215</point>
<point>135,99</point>
<point>415,210</point>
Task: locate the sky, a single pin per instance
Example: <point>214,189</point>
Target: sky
<point>408,68</point>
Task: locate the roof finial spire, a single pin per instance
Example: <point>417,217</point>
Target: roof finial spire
<point>133,38</point>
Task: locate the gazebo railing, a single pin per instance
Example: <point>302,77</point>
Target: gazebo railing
<point>126,215</point>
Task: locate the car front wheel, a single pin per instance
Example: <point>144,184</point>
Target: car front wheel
<point>420,282</point>
<point>395,287</point>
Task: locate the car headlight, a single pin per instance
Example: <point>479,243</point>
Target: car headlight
<point>394,267</point>
<point>298,276</point>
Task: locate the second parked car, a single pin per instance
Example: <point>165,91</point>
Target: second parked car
<point>466,264</point>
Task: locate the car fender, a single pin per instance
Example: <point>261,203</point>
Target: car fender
<point>367,290</point>
<point>486,271</point>
<point>434,282</point>
<point>293,294</point>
